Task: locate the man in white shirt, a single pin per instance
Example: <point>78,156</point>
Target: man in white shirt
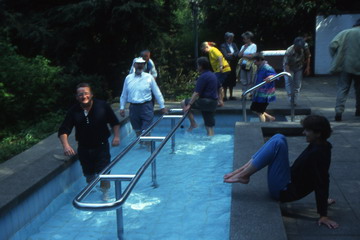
<point>137,90</point>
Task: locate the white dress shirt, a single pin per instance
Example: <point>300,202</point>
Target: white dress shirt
<point>230,48</point>
<point>138,89</point>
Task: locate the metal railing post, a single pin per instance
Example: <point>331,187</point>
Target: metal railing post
<point>153,167</point>
<point>292,100</point>
<point>173,137</point>
<point>119,212</point>
<point>244,108</point>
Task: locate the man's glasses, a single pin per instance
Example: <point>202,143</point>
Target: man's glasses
<point>83,94</point>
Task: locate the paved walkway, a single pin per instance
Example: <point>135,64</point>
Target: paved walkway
<point>319,94</point>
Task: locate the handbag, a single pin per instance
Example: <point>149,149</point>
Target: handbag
<point>243,65</point>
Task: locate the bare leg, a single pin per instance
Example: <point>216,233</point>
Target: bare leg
<point>331,201</point>
<point>105,185</point>
<point>210,131</point>
<point>193,123</point>
<point>269,117</point>
<point>225,90</point>
<point>242,176</point>
<point>237,170</point>
<point>261,117</point>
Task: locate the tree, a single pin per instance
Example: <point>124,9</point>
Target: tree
<point>275,23</point>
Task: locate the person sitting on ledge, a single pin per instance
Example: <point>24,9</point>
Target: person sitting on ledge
<point>309,172</point>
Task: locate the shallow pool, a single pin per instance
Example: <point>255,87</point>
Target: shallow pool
<point>191,202</point>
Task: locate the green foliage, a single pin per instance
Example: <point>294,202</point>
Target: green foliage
<point>275,23</point>
<point>17,139</point>
<point>31,87</point>
<point>99,37</point>
<point>179,87</point>
<point>27,85</point>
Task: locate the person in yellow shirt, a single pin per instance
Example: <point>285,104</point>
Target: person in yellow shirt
<point>218,63</point>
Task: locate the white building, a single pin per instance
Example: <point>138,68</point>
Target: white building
<point>326,30</point>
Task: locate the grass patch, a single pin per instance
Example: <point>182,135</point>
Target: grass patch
<point>24,135</point>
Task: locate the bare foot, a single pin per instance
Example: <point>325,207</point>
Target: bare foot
<point>239,170</point>
<point>237,180</point>
<point>271,119</point>
<point>231,174</point>
<point>331,201</point>
<point>192,127</point>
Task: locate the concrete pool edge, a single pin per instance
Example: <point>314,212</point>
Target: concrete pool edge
<point>254,215</point>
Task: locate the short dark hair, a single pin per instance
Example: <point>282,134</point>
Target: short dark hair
<point>81,85</point>
<point>228,35</point>
<point>247,34</point>
<point>318,124</point>
<point>259,56</point>
<point>204,63</point>
<point>299,42</point>
<point>144,51</point>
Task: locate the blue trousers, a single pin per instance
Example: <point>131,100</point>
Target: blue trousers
<point>274,154</point>
<point>141,115</point>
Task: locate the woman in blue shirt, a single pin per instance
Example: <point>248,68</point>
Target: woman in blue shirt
<point>266,93</point>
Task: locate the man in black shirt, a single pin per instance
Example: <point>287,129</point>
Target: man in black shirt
<point>90,117</point>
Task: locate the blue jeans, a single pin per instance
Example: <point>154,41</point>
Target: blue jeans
<point>274,154</point>
<point>294,83</point>
<point>343,88</point>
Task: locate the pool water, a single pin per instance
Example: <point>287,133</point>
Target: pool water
<point>191,202</point>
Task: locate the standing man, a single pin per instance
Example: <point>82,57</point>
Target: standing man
<point>90,117</point>
<point>296,61</point>
<point>137,90</point>
<point>205,98</point>
<point>149,64</point>
<point>345,49</point>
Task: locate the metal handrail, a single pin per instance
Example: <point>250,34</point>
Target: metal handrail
<point>132,178</point>
<point>261,84</point>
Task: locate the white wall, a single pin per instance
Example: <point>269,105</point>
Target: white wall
<point>326,30</point>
